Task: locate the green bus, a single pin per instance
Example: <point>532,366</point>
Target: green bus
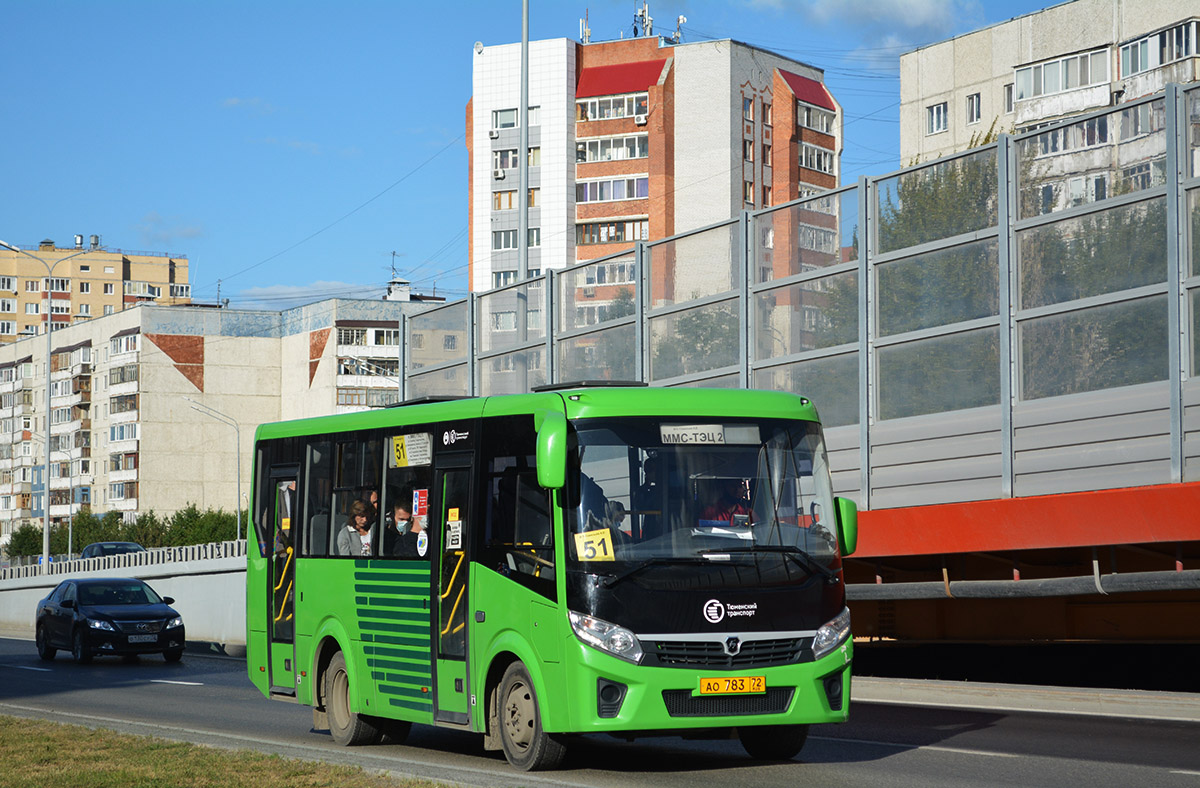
<point>589,559</point>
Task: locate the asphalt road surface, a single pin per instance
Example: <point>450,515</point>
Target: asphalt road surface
<point>209,700</point>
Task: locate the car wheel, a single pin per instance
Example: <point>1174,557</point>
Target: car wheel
<point>525,744</point>
<point>173,655</point>
<point>79,649</point>
<point>773,743</point>
<point>348,728</point>
<point>45,650</point>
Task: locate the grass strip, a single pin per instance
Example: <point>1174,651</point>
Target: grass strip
<point>36,754</point>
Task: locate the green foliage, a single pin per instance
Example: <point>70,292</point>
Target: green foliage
<point>697,340</point>
<point>187,526</point>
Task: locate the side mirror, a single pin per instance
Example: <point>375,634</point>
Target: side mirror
<point>69,604</point>
<point>552,451</point>
<point>170,600</point>
<point>847,524</point>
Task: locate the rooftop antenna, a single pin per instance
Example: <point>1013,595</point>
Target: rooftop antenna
<point>643,15</point>
<point>394,264</point>
<point>585,31</point>
<point>680,21</point>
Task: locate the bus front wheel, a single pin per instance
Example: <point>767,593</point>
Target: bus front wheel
<point>773,742</point>
<point>348,728</point>
<point>525,744</point>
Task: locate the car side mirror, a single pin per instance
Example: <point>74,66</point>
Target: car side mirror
<point>69,604</point>
<point>847,524</point>
<point>170,600</point>
<point>552,451</point>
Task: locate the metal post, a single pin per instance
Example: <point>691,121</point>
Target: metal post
<point>1176,269</point>
<point>1006,259</point>
<point>743,268</point>
<point>641,297</point>
<point>866,253</point>
<point>213,413</point>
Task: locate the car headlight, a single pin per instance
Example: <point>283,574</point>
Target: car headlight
<point>175,622</point>
<point>832,634</point>
<point>610,638</point>
<point>97,624</point>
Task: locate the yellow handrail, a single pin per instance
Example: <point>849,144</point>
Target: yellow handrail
<point>450,585</point>
<point>453,610</point>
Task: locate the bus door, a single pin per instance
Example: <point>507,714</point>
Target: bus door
<point>285,520</point>
<point>452,486</point>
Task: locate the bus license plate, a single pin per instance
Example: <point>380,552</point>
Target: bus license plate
<point>143,638</point>
<point>733,685</point>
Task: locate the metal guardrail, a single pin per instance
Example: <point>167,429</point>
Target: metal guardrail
<point>160,555</point>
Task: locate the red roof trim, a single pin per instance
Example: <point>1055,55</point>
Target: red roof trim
<point>809,90</point>
<point>618,79</point>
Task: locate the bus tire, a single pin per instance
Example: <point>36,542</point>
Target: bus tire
<point>525,744</point>
<point>348,728</point>
<point>773,742</point>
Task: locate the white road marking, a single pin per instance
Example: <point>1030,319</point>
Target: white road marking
<point>28,667</point>
<point>901,746</point>
<point>1183,771</point>
<point>181,683</point>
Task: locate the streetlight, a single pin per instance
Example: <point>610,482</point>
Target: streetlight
<point>49,329</point>
<point>213,413</point>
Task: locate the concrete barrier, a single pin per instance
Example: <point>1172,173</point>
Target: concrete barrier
<point>208,583</point>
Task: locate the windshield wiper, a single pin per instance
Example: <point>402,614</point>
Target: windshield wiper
<point>803,559</point>
<point>612,580</point>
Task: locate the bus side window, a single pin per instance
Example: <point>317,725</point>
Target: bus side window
<point>318,487</point>
<point>518,538</point>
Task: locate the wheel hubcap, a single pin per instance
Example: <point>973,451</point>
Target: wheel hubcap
<point>518,716</point>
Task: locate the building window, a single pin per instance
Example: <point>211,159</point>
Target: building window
<point>535,197</point>
<point>819,159</point>
<point>108,309</point>
<point>352,336</point>
<point>108,288</point>
<point>505,159</point>
<point>936,120</point>
<point>535,237</point>
<point>504,239</point>
<point>747,150</point>
<point>33,286</point>
<point>612,232</point>
<point>8,305</point>
<point>633,146</point>
<point>503,201</point>
<point>8,327</point>
<point>766,154</point>
<point>505,118</point>
<point>8,283</point>
<point>1159,49</point>
<point>748,107</point>
<point>603,108</point>
<point>766,196</point>
<point>31,309</point>
<point>85,287</point>
<point>1008,98</point>
<point>814,118</point>
<point>85,310</point>
<point>1055,76</point>
<point>748,192</point>
<point>387,336</point>
<point>610,189</point>
<point>766,114</point>
<point>450,342</point>
<point>60,285</point>
<point>352,396</point>
<point>974,111</point>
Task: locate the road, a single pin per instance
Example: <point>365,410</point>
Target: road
<point>209,700</point>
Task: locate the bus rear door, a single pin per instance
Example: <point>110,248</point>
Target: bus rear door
<point>452,486</point>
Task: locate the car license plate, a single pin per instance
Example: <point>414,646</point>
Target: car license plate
<point>733,685</point>
<point>143,638</point>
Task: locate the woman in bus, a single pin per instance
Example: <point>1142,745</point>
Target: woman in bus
<point>355,538</point>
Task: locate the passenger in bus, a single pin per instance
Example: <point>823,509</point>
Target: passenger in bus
<point>403,532</point>
<point>355,538</point>
<point>731,503</point>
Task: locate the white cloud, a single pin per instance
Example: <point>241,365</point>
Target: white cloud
<point>253,105</point>
<point>277,297</point>
<point>162,232</point>
<point>901,22</point>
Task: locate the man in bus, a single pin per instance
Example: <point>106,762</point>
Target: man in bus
<point>732,506</point>
<point>403,533</point>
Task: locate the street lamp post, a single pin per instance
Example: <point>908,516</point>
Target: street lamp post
<point>213,413</point>
<point>49,329</point>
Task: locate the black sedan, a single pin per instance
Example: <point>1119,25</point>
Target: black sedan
<point>108,615</point>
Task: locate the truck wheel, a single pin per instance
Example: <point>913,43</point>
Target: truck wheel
<point>348,728</point>
<point>773,742</point>
<point>525,744</point>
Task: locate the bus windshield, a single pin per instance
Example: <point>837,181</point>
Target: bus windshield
<point>644,492</point>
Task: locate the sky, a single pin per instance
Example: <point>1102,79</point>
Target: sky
<point>296,151</point>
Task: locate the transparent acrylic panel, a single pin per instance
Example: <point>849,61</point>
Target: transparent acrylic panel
<point>512,373</point>
<point>609,354</point>
<point>817,233</point>
<point>939,288</point>
<point>596,293</point>
<point>438,336</point>
<point>1100,348</point>
<point>830,382</point>
<point>939,374</point>
<point>809,315</point>
<point>1104,252</point>
<point>1117,153</point>
<point>1193,228</point>
<point>510,317</point>
<point>1195,299</point>
<point>1193,132</point>
<point>938,201</point>
<point>451,382</point>
<point>694,341</point>
<point>722,382</point>
<point>694,266</point>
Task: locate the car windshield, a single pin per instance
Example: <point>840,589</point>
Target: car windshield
<point>118,594</point>
<point>647,491</point>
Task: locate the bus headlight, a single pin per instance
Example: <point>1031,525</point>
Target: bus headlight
<point>832,634</point>
<point>610,638</point>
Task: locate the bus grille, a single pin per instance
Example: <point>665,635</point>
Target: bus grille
<point>711,654</point>
<point>681,703</point>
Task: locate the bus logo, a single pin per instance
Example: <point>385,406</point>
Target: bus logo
<point>453,436</point>
<point>732,646</point>
<point>714,611</point>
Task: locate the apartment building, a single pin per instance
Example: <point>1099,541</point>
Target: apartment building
<point>1042,68</point>
<point>94,284</point>
<point>129,391</point>
<point>635,140</point>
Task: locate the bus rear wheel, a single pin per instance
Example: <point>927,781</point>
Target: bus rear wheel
<point>773,742</point>
<point>348,728</point>
<point>525,744</point>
